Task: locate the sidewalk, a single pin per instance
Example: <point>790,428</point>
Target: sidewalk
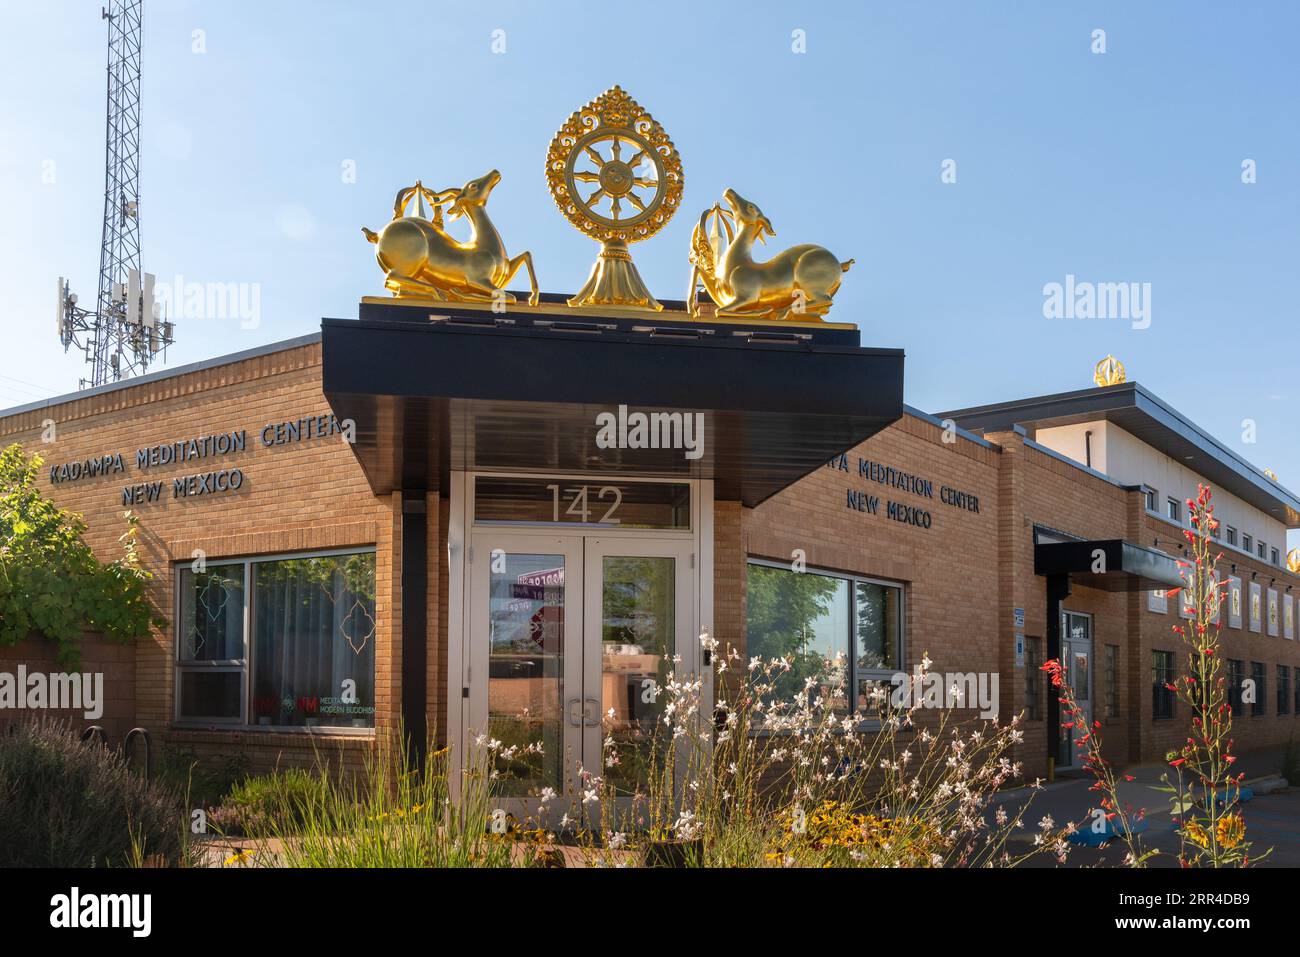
<point>1272,820</point>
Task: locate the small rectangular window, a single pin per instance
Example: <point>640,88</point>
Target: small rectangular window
<point>1112,681</point>
<point>1259,674</point>
<point>1162,679</point>
<point>1283,689</point>
<point>1232,536</point>
<point>1033,678</point>
<point>1153,500</point>
<point>1247,543</point>
<point>1236,674</point>
<point>1276,557</point>
<point>1262,550</point>
<point>1174,509</point>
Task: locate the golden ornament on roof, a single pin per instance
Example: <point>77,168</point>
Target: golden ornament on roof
<point>1109,371</point>
<point>796,283</point>
<point>1293,560</point>
<point>1270,474</point>
<point>420,259</point>
<point>616,176</point>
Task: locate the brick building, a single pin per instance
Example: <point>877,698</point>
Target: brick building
<point>463,521</point>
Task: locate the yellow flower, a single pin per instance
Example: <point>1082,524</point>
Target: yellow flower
<point>1196,834</point>
<point>1231,830</point>
<point>241,856</point>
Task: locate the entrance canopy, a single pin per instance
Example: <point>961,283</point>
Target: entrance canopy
<point>439,387</point>
<point>1108,564</point>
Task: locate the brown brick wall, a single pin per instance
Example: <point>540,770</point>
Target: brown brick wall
<point>300,497</point>
<point>114,661</point>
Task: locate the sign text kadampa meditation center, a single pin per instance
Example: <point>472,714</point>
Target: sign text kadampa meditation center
<point>194,449</point>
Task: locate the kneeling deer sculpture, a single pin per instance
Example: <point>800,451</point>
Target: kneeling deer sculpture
<point>800,281</point>
<point>421,259</point>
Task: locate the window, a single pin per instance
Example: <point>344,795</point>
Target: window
<point>1162,678</point>
<point>1152,499</point>
<point>811,616</point>
<point>1236,672</point>
<point>1258,674</point>
<point>1296,691</point>
<point>281,642</point>
<point>1216,531</point>
<point>1112,681</point>
<point>1276,557</point>
<point>1033,677</point>
<point>1283,689</point>
<point>1174,509</point>
<point>1247,543</point>
<point>1232,536</point>
<point>1261,550</point>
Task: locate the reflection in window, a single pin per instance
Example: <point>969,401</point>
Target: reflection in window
<point>638,637</point>
<point>314,641</point>
<point>809,618</point>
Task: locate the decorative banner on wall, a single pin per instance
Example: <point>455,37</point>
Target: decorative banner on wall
<point>1234,602</point>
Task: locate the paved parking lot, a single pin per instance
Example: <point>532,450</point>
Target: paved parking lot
<point>1272,820</point>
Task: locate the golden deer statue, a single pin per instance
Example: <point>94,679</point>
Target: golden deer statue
<point>421,259</point>
<point>799,282</point>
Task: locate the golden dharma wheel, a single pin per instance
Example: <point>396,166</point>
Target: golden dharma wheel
<point>613,171</point>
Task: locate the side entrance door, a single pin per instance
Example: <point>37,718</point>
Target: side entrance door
<point>1076,658</point>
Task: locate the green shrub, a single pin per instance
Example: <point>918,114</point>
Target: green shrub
<point>280,800</point>
<point>205,781</point>
<point>68,804</point>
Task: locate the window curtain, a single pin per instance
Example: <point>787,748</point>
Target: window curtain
<point>313,642</point>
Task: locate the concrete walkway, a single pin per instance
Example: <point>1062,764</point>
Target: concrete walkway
<point>1272,820</point>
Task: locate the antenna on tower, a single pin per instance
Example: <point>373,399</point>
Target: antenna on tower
<point>126,329</point>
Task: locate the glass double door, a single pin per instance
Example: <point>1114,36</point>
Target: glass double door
<point>1076,659</point>
<point>571,642</point>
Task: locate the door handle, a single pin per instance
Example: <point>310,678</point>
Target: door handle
<point>575,722</point>
<point>591,712</point>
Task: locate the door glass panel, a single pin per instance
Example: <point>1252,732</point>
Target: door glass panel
<point>638,605</point>
<point>526,670</point>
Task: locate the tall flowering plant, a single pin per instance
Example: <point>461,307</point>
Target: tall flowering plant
<point>1114,815</point>
<point>1204,790</point>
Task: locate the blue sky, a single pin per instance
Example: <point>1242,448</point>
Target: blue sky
<point>1119,167</point>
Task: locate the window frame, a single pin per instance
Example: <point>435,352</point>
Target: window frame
<point>1282,674</point>
<point>1174,510</point>
<point>900,639</point>
<point>1259,673</point>
<point>1110,664</point>
<point>1160,677</point>
<point>245,665</point>
<point>1236,675</point>
<point>1232,536</point>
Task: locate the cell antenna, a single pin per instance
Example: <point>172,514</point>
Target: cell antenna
<point>126,329</point>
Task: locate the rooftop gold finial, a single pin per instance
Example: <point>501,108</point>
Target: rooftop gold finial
<point>1269,473</point>
<point>1109,371</point>
<point>632,197</point>
<point>1293,560</point>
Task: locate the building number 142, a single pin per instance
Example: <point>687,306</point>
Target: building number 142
<point>581,503</point>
